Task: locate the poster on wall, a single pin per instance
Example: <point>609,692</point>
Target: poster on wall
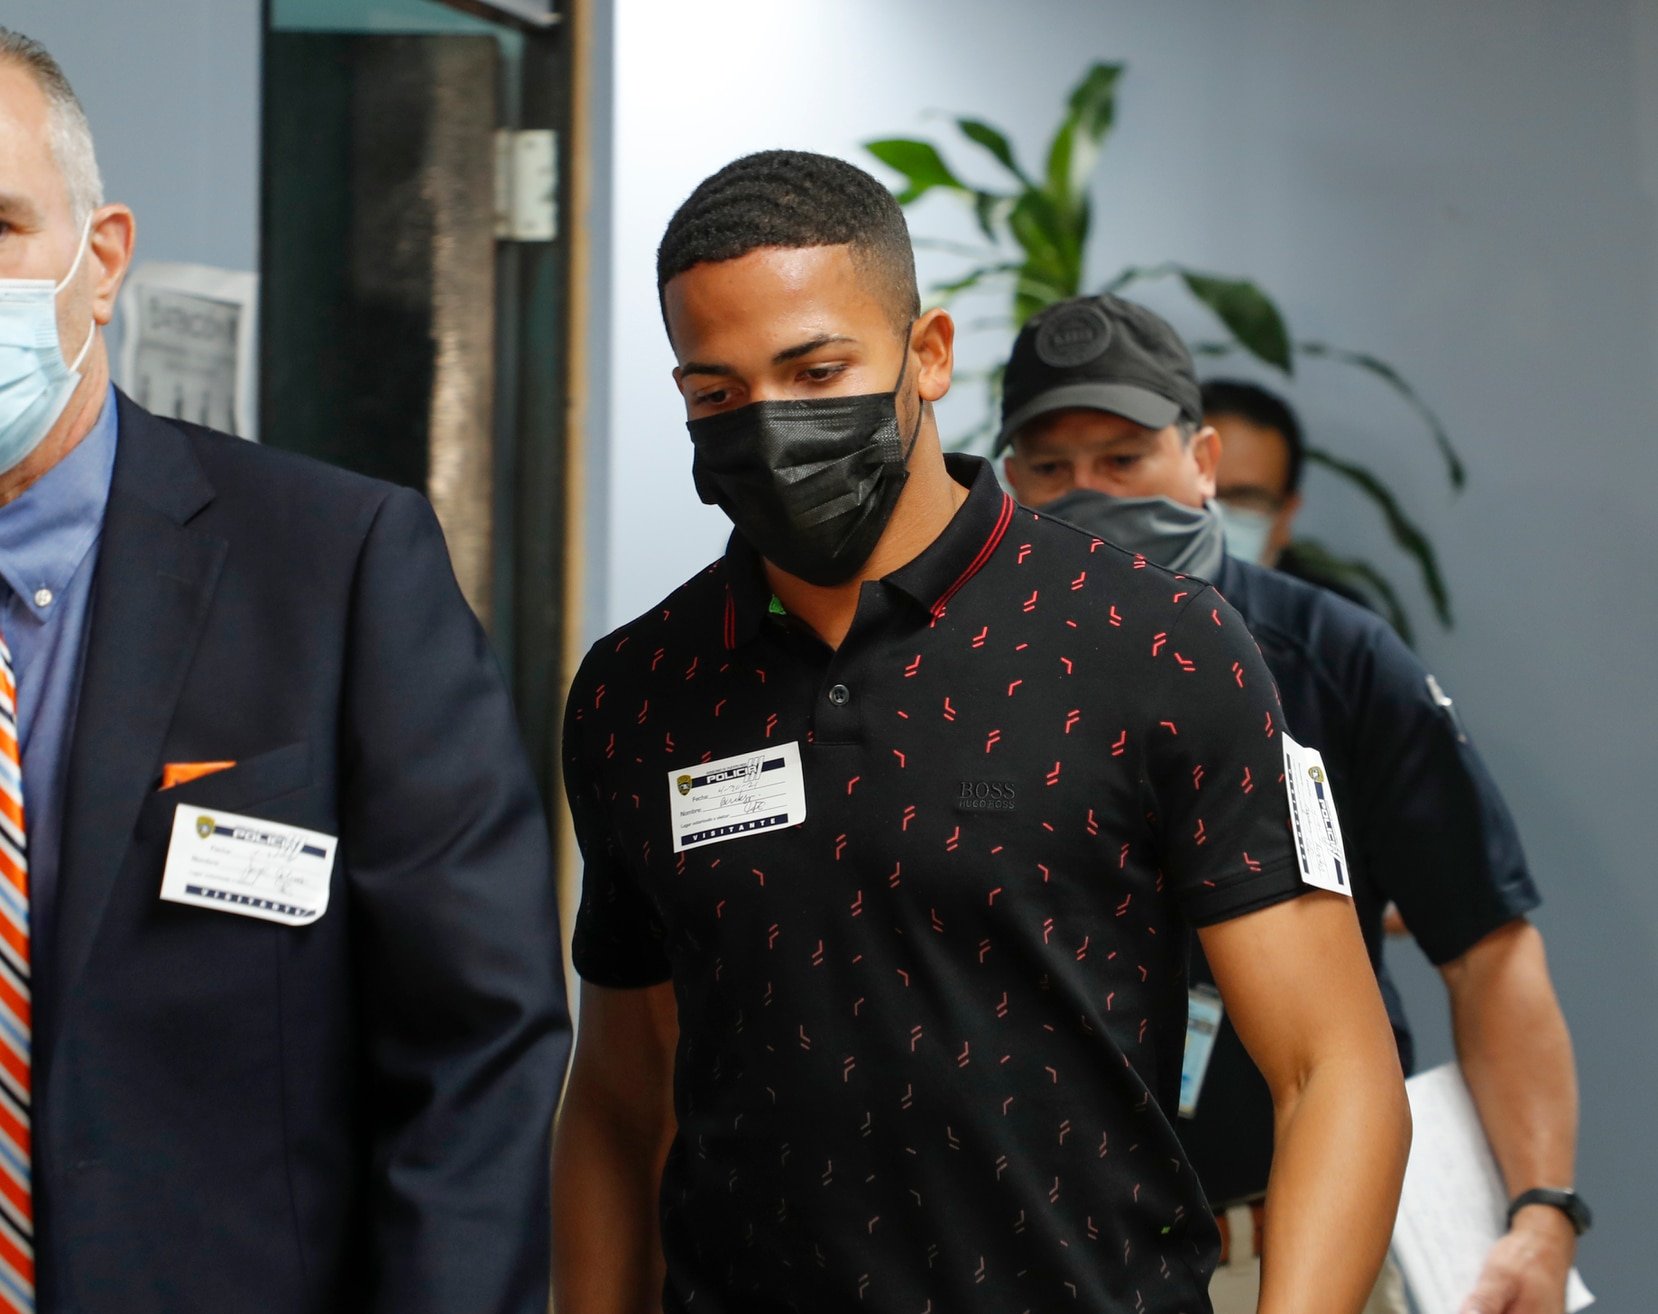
<point>190,342</point>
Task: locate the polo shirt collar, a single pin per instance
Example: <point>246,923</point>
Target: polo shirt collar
<point>929,580</point>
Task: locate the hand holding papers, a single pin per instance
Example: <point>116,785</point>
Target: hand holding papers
<point>1453,1206</point>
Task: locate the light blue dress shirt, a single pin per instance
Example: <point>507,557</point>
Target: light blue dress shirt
<point>48,554</point>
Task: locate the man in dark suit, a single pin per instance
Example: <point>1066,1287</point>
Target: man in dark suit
<point>325,1087</point>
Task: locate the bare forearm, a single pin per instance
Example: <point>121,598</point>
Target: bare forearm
<point>1336,1172</point>
<point>1307,1008</point>
<point>607,1250</point>
<point>1516,1056</point>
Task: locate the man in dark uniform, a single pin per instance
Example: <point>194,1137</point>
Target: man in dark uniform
<point>1424,824</point>
<point>896,820</point>
<point>1258,481</point>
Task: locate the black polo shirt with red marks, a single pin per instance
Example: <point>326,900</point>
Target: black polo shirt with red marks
<point>931,1036</point>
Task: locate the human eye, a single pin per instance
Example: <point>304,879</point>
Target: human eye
<point>825,373</point>
<point>711,396</point>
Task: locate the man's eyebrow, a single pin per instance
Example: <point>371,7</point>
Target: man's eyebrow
<point>807,348</point>
<point>781,358</point>
<point>16,206</point>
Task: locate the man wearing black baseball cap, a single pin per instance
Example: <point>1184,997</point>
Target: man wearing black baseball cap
<point>1104,422</point>
<point>1100,398</point>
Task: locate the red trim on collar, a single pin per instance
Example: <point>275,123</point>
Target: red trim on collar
<point>1003,520</point>
<point>730,627</point>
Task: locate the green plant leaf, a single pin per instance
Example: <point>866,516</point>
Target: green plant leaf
<point>920,163</point>
<point>971,279</point>
<point>995,141</point>
<point>1212,348</point>
<point>962,249</point>
<point>1382,370</point>
<point>1053,254</point>
<point>1357,573</point>
<point>1089,114</point>
<point>991,211</point>
<point>1248,313</point>
<point>1404,530</point>
<point>1131,274</point>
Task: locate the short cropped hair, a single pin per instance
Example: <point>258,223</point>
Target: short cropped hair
<point>71,133</point>
<point>795,199</point>
<point>1250,401</point>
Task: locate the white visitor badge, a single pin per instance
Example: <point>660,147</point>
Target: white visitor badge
<point>1203,1014</point>
<point>736,796</point>
<point>244,865</point>
<point>1313,819</point>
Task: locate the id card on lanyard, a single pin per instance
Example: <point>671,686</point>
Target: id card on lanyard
<point>1203,1015</point>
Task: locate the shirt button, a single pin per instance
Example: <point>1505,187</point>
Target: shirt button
<point>43,597</point>
<point>840,695</point>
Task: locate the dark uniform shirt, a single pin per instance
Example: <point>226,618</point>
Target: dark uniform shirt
<point>1421,820</point>
<point>930,1038</point>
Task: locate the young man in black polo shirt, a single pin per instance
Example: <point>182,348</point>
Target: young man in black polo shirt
<point>895,820</point>
<point>1422,820</point>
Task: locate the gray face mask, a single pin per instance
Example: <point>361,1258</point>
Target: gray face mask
<point>1188,540</point>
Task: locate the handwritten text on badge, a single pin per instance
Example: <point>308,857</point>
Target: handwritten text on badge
<point>736,796</point>
<point>247,866</point>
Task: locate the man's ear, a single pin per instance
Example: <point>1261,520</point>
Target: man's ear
<point>109,246</point>
<point>1206,453</point>
<point>933,340</point>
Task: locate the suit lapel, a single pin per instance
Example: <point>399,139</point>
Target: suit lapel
<point>155,580</point>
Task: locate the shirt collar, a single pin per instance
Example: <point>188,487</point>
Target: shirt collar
<point>46,532</point>
<point>930,580</point>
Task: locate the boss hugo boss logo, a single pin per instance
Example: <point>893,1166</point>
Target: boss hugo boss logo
<point>1073,335</point>
<point>985,796</point>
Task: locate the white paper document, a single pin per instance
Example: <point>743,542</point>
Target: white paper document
<point>248,866</point>
<point>712,802</point>
<point>1453,1207</point>
<point>190,344</point>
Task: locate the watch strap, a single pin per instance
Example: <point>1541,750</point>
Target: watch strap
<point>1567,1202</point>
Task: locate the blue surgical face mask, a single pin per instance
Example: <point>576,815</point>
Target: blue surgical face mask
<point>1247,532</point>
<point>36,382</point>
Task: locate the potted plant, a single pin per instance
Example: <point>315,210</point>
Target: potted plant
<point>1037,227</point>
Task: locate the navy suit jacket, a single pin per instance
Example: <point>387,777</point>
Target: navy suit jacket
<point>234,1115</point>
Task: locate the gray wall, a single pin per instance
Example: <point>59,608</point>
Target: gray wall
<point>172,89</point>
<point>1465,190</point>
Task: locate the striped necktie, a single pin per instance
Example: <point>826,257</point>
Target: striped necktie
<point>17,1256</point>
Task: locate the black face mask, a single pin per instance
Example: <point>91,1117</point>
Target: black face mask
<point>810,484</point>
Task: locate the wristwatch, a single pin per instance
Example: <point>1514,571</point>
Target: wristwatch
<point>1569,1203</point>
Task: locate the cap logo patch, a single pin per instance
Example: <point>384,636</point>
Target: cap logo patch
<point>1073,336</point>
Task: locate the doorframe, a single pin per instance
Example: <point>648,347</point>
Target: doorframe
<point>534,328</point>
<point>507,12</point>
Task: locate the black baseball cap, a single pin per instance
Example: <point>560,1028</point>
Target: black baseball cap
<point>1099,353</point>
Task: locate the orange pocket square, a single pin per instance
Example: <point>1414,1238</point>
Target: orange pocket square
<point>182,773</point>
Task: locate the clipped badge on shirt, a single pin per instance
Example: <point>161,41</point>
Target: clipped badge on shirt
<point>248,866</point>
<point>1203,1015</point>
<point>712,802</point>
<point>1313,820</point>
